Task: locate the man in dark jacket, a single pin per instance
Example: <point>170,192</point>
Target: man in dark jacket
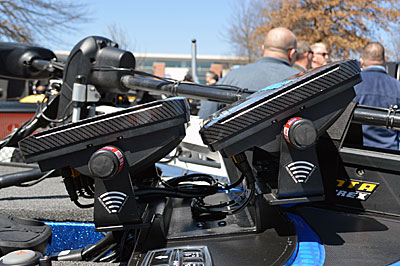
<point>279,53</point>
<point>380,90</point>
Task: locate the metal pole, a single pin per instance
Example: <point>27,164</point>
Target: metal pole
<point>194,62</point>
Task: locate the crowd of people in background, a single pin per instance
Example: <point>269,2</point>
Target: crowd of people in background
<point>284,56</point>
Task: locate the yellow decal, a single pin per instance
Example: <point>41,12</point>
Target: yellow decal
<point>340,182</point>
<point>353,183</point>
<point>355,189</point>
<point>367,187</point>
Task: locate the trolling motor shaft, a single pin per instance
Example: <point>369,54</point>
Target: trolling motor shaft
<point>190,90</point>
<point>376,116</point>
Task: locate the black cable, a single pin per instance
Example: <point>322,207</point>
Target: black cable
<point>45,175</point>
<point>112,257</point>
<point>64,117</point>
<point>104,252</point>
<point>179,187</point>
<point>74,186</point>
<point>217,86</point>
<point>240,180</point>
<point>228,208</point>
<point>173,185</point>
<point>122,243</point>
<point>112,68</point>
<point>176,155</point>
<point>83,206</point>
<point>87,187</point>
<point>191,177</point>
<point>162,192</point>
<point>142,73</point>
<point>93,250</point>
<point>38,112</point>
<point>176,187</point>
<point>201,207</point>
<point>231,202</point>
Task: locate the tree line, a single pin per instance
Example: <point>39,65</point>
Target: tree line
<point>345,26</point>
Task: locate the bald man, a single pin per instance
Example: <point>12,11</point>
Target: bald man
<point>279,53</point>
<point>377,89</point>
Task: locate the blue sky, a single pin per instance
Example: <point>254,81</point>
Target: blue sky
<point>157,26</point>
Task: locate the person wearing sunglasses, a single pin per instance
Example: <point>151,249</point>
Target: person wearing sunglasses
<point>304,56</point>
<point>321,54</point>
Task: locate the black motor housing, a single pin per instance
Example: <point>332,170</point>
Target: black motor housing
<point>97,61</point>
<point>16,61</point>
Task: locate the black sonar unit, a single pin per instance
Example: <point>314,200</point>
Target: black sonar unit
<point>145,133</point>
<point>319,95</point>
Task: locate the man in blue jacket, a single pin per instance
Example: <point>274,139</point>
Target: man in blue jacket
<point>380,90</point>
<point>279,53</point>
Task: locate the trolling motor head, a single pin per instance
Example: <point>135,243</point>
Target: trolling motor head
<point>22,61</point>
<point>94,64</point>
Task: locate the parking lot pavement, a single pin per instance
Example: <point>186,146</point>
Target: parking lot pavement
<point>47,200</point>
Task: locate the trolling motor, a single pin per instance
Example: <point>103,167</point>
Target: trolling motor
<point>21,61</point>
<point>92,76</point>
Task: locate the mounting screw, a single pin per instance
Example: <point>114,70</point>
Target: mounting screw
<point>360,172</point>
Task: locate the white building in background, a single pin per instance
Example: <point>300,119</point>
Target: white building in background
<point>177,65</point>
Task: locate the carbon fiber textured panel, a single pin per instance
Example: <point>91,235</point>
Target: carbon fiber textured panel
<point>267,103</point>
<point>128,119</point>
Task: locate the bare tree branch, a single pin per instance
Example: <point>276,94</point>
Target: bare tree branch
<point>241,30</point>
<point>30,21</point>
<point>117,34</point>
